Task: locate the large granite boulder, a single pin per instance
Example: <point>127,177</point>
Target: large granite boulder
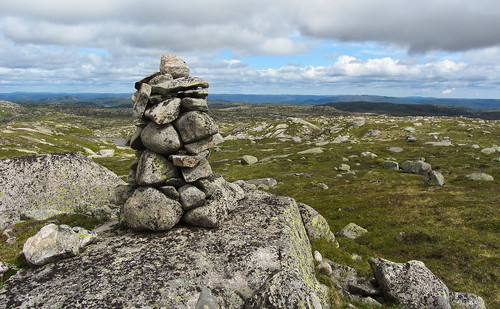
<point>67,182</point>
<point>259,258</point>
<point>416,167</point>
<point>411,284</point>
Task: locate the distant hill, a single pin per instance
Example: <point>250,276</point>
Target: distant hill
<point>396,109</point>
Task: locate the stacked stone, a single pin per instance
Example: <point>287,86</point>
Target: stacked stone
<point>172,179</point>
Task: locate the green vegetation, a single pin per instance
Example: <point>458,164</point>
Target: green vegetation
<point>453,229</point>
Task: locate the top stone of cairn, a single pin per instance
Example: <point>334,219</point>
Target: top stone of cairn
<point>173,65</point>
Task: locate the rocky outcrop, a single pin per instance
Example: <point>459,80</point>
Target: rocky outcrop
<point>67,182</point>
<point>260,258</point>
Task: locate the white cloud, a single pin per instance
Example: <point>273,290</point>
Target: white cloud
<point>448,91</point>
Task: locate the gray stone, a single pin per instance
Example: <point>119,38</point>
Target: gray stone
<point>357,123</point>
<point>201,93</point>
<point>440,143</point>
<point>207,300</point>
<point>184,160</point>
<point>466,301</point>
<point>164,112</point>
<point>411,139</point>
<point>411,284</point>
<point>51,243</point>
<point>162,139</point>
<point>122,193</point>
<point>316,150</point>
<point>153,169</point>
<point>173,65</point>
<point>140,100</point>
<point>344,167</point>
<point>231,191</point>
<point>202,170</point>
<point>204,144</point>
<point>351,231</point>
<point>488,151</point>
<point>4,267</point>
<point>316,225</point>
<point>179,84</point>
<point>433,178</point>
<point>160,79</point>
<point>416,167</point>
<point>170,192</point>
<point>149,209</point>
<point>317,255</point>
<point>195,104</point>
<point>478,176</point>
<point>368,154</point>
<point>391,165</point>
<point>269,182</point>
<point>396,149</point>
<point>497,159</point>
<point>194,126</point>
<point>257,245</point>
<point>364,288</point>
<point>211,215</point>
<point>325,268</point>
<point>85,237</point>
<point>191,197</point>
<point>40,214</point>
<point>248,160</point>
<point>145,80</point>
<point>135,139</point>
<point>68,182</point>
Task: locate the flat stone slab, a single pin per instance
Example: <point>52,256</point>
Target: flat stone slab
<point>261,242</point>
<point>179,84</point>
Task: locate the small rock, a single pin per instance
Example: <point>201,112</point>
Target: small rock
<point>317,256</point>
<point>195,104</point>
<point>173,65</point>
<point>391,165</point>
<point>478,176</point>
<point>368,154</point>
<point>84,236</point>
<point>433,178</point>
<point>170,192</point>
<point>497,159</point>
<point>411,139</point>
<point>4,267</point>
<point>395,149</point>
<point>416,167</point>
<point>316,150</point>
<point>488,151</point>
<point>162,139</point>
<point>325,268</point>
<point>351,231</point>
<point>191,197</point>
<point>344,167</point>
<point>51,243</point>
<point>164,112</point>
<point>466,301</point>
<point>202,170</point>
<point>194,126</point>
<point>248,160</point>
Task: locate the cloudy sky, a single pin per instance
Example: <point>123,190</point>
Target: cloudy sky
<point>440,48</point>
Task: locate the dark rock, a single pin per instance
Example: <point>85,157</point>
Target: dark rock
<point>140,100</point>
<point>202,170</point>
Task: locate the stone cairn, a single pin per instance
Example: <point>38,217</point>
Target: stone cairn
<point>172,179</point>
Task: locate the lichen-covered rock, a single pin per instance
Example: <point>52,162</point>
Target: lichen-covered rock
<point>351,231</point>
<point>140,100</point>
<point>213,212</point>
<point>204,144</point>
<point>262,242</point>
<point>162,139</point>
<point>248,160</point>
<point>164,112</point>
<point>195,104</point>
<point>231,191</point>
<point>202,170</point>
<point>154,169</point>
<point>149,209</point>
<point>479,176</point>
<point>433,178</point>
<point>191,197</point>
<point>315,224</point>
<point>194,126</point>
<point>173,65</point>
<point>391,165</point>
<point>51,243</point>
<point>466,301</point>
<point>68,182</point>
<point>179,84</point>
<point>410,284</point>
<point>416,167</point>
